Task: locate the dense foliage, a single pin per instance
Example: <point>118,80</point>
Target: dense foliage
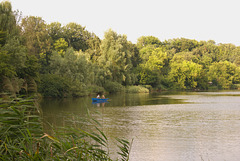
<point>64,61</point>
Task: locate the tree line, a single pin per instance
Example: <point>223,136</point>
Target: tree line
<point>67,60</point>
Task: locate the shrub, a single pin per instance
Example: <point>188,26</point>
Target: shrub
<point>95,89</point>
<point>113,87</point>
<point>136,89</point>
<point>53,85</point>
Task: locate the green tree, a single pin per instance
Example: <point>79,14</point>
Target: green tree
<point>154,69</point>
<point>224,74</point>
<point>7,19</point>
<point>116,58</point>
<point>55,31</point>
<point>184,75</point>
<point>181,56</point>
<point>157,60</point>
<point>53,85</point>
<point>36,38</point>
<point>181,44</point>
<point>237,61</point>
<point>3,37</point>
<point>136,59</point>
<point>60,46</point>
<point>145,41</point>
<point>76,68</point>
<point>76,36</point>
<point>145,52</point>
<point>228,52</point>
<point>93,50</point>
<point>148,77</point>
<point>6,68</point>
<point>17,54</point>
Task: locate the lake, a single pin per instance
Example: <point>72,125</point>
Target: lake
<point>166,126</point>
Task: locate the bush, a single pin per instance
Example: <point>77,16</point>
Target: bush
<point>78,89</point>
<point>113,87</point>
<point>236,86</point>
<point>136,89</point>
<point>149,87</point>
<point>95,89</point>
<point>53,85</point>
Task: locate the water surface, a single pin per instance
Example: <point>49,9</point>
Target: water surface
<point>166,126</point>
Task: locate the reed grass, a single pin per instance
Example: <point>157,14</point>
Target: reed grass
<point>22,137</point>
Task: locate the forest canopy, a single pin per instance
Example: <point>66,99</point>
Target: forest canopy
<point>69,61</point>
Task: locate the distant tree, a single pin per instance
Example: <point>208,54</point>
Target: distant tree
<point>188,56</point>
<point>206,53</point>
<point>184,75</point>
<point>237,61</point>
<point>36,39</point>
<point>60,46</point>
<point>17,54</point>
<point>53,85</point>
<point>94,50</point>
<point>3,37</point>
<point>145,52</point>
<point>8,22</point>
<point>228,52</point>
<point>6,68</point>
<point>116,58</point>
<point>148,40</point>
<point>181,44</point>
<point>76,68</point>
<point>152,70</point>
<point>55,31</point>
<point>76,36</point>
<point>135,58</point>
<point>157,60</point>
<point>224,74</point>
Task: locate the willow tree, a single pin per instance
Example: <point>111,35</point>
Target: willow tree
<point>7,19</point>
<point>116,58</point>
<point>36,38</point>
<point>75,67</point>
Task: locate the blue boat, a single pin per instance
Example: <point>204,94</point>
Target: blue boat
<point>100,99</point>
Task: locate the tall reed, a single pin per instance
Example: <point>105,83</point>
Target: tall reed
<point>22,137</point>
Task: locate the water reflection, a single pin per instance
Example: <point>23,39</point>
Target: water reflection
<point>168,126</point>
<point>100,104</point>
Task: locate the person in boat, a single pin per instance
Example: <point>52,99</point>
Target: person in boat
<point>103,97</point>
<point>98,96</point>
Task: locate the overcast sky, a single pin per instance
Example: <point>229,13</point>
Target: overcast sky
<point>217,20</point>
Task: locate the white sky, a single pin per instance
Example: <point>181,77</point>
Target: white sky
<point>216,20</point>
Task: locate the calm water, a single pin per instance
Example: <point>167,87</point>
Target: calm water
<point>176,126</point>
